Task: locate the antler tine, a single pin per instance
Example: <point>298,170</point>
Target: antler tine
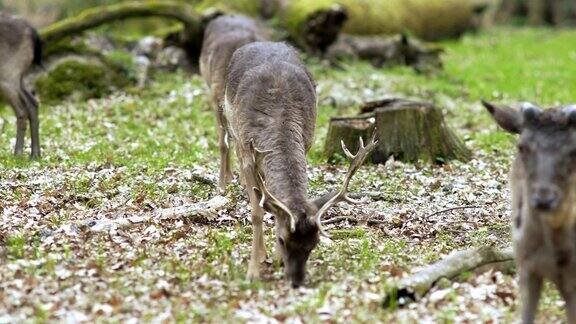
<point>346,151</point>
<point>356,160</point>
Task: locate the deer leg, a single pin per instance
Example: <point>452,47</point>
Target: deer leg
<point>224,144</point>
<point>530,289</point>
<point>31,106</point>
<point>258,254</point>
<point>569,294</point>
<point>21,116</point>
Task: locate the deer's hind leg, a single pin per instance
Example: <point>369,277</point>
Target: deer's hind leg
<point>258,254</point>
<point>31,105</point>
<point>11,92</point>
<point>224,142</point>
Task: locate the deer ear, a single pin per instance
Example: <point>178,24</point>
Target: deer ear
<point>509,119</point>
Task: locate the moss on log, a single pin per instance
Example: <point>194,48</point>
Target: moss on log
<point>412,131</point>
<point>98,16</point>
<point>426,19</point>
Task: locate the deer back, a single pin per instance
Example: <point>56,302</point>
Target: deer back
<point>16,46</point>
<point>222,37</point>
<point>271,99</point>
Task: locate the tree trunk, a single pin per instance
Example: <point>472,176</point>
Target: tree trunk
<point>414,287</point>
<point>98,16</point>
<point>347,130</point>
<point>537,12</point>
<point>412,131</point>
<point>507,10</point>
<point>559,11</point>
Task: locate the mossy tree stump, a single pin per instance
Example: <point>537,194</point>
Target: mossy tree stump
<point>348,130</point>
<point>407,130</point>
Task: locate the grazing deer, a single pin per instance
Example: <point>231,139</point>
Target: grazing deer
<point>543,184</point>
<point>222,37</point>
<point>20,48</point>
<point>270,105</point>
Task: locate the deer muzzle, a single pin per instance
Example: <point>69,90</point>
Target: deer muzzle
<point>546,197</point>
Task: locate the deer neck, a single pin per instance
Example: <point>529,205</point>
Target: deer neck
<point>284,170</point>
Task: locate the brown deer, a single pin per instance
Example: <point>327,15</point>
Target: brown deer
<point>222,37</point>
<point>270,106</point>
<point>543,184</point>
<point>20,48</point>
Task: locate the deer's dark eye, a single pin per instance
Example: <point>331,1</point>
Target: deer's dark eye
<point>281,241</point>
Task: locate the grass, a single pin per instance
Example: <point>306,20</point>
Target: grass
<point>131,153</point>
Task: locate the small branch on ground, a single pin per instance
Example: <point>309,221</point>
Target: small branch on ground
<point>451,209</point>
<point>374,195</point>
<point>414,287</point>
<point>207,209</point>
<point>351,219</point>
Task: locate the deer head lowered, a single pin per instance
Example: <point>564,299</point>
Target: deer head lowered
<point>543,185</point>
<point>270,106</point>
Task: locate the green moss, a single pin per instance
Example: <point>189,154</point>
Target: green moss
<point>429,19</point>
<point>124,65</point>
<point>79,80</point>
<point>247,7</point>
<point>67,46</point>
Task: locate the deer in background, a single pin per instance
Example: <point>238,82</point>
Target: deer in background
<point>20,48</point>
<point>543,184</point>
<point>222,37</point>
<point>270,107</point>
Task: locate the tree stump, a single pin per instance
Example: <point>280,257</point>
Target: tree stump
<point>348,130</point>
<point>407,130</point>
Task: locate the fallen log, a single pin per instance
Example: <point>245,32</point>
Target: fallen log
<point>416,286</point>
<point>98,16</point>
<point>206,209</point>
<point>313,27</point>
<point>383,51</point>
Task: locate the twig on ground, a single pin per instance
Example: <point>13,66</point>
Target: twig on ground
<point>374,195</point>
<point>339,219</point>
<point>206,209</point>
<point>451,209</point>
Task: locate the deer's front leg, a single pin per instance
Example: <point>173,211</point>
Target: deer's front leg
<point>569,294</point>
<point>530,289</point>
<point>258,254</point>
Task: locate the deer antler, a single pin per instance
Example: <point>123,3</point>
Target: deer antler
<point>356,160</point>
<point>257,157</point>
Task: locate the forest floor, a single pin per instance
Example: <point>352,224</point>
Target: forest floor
<point>134,153</point>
